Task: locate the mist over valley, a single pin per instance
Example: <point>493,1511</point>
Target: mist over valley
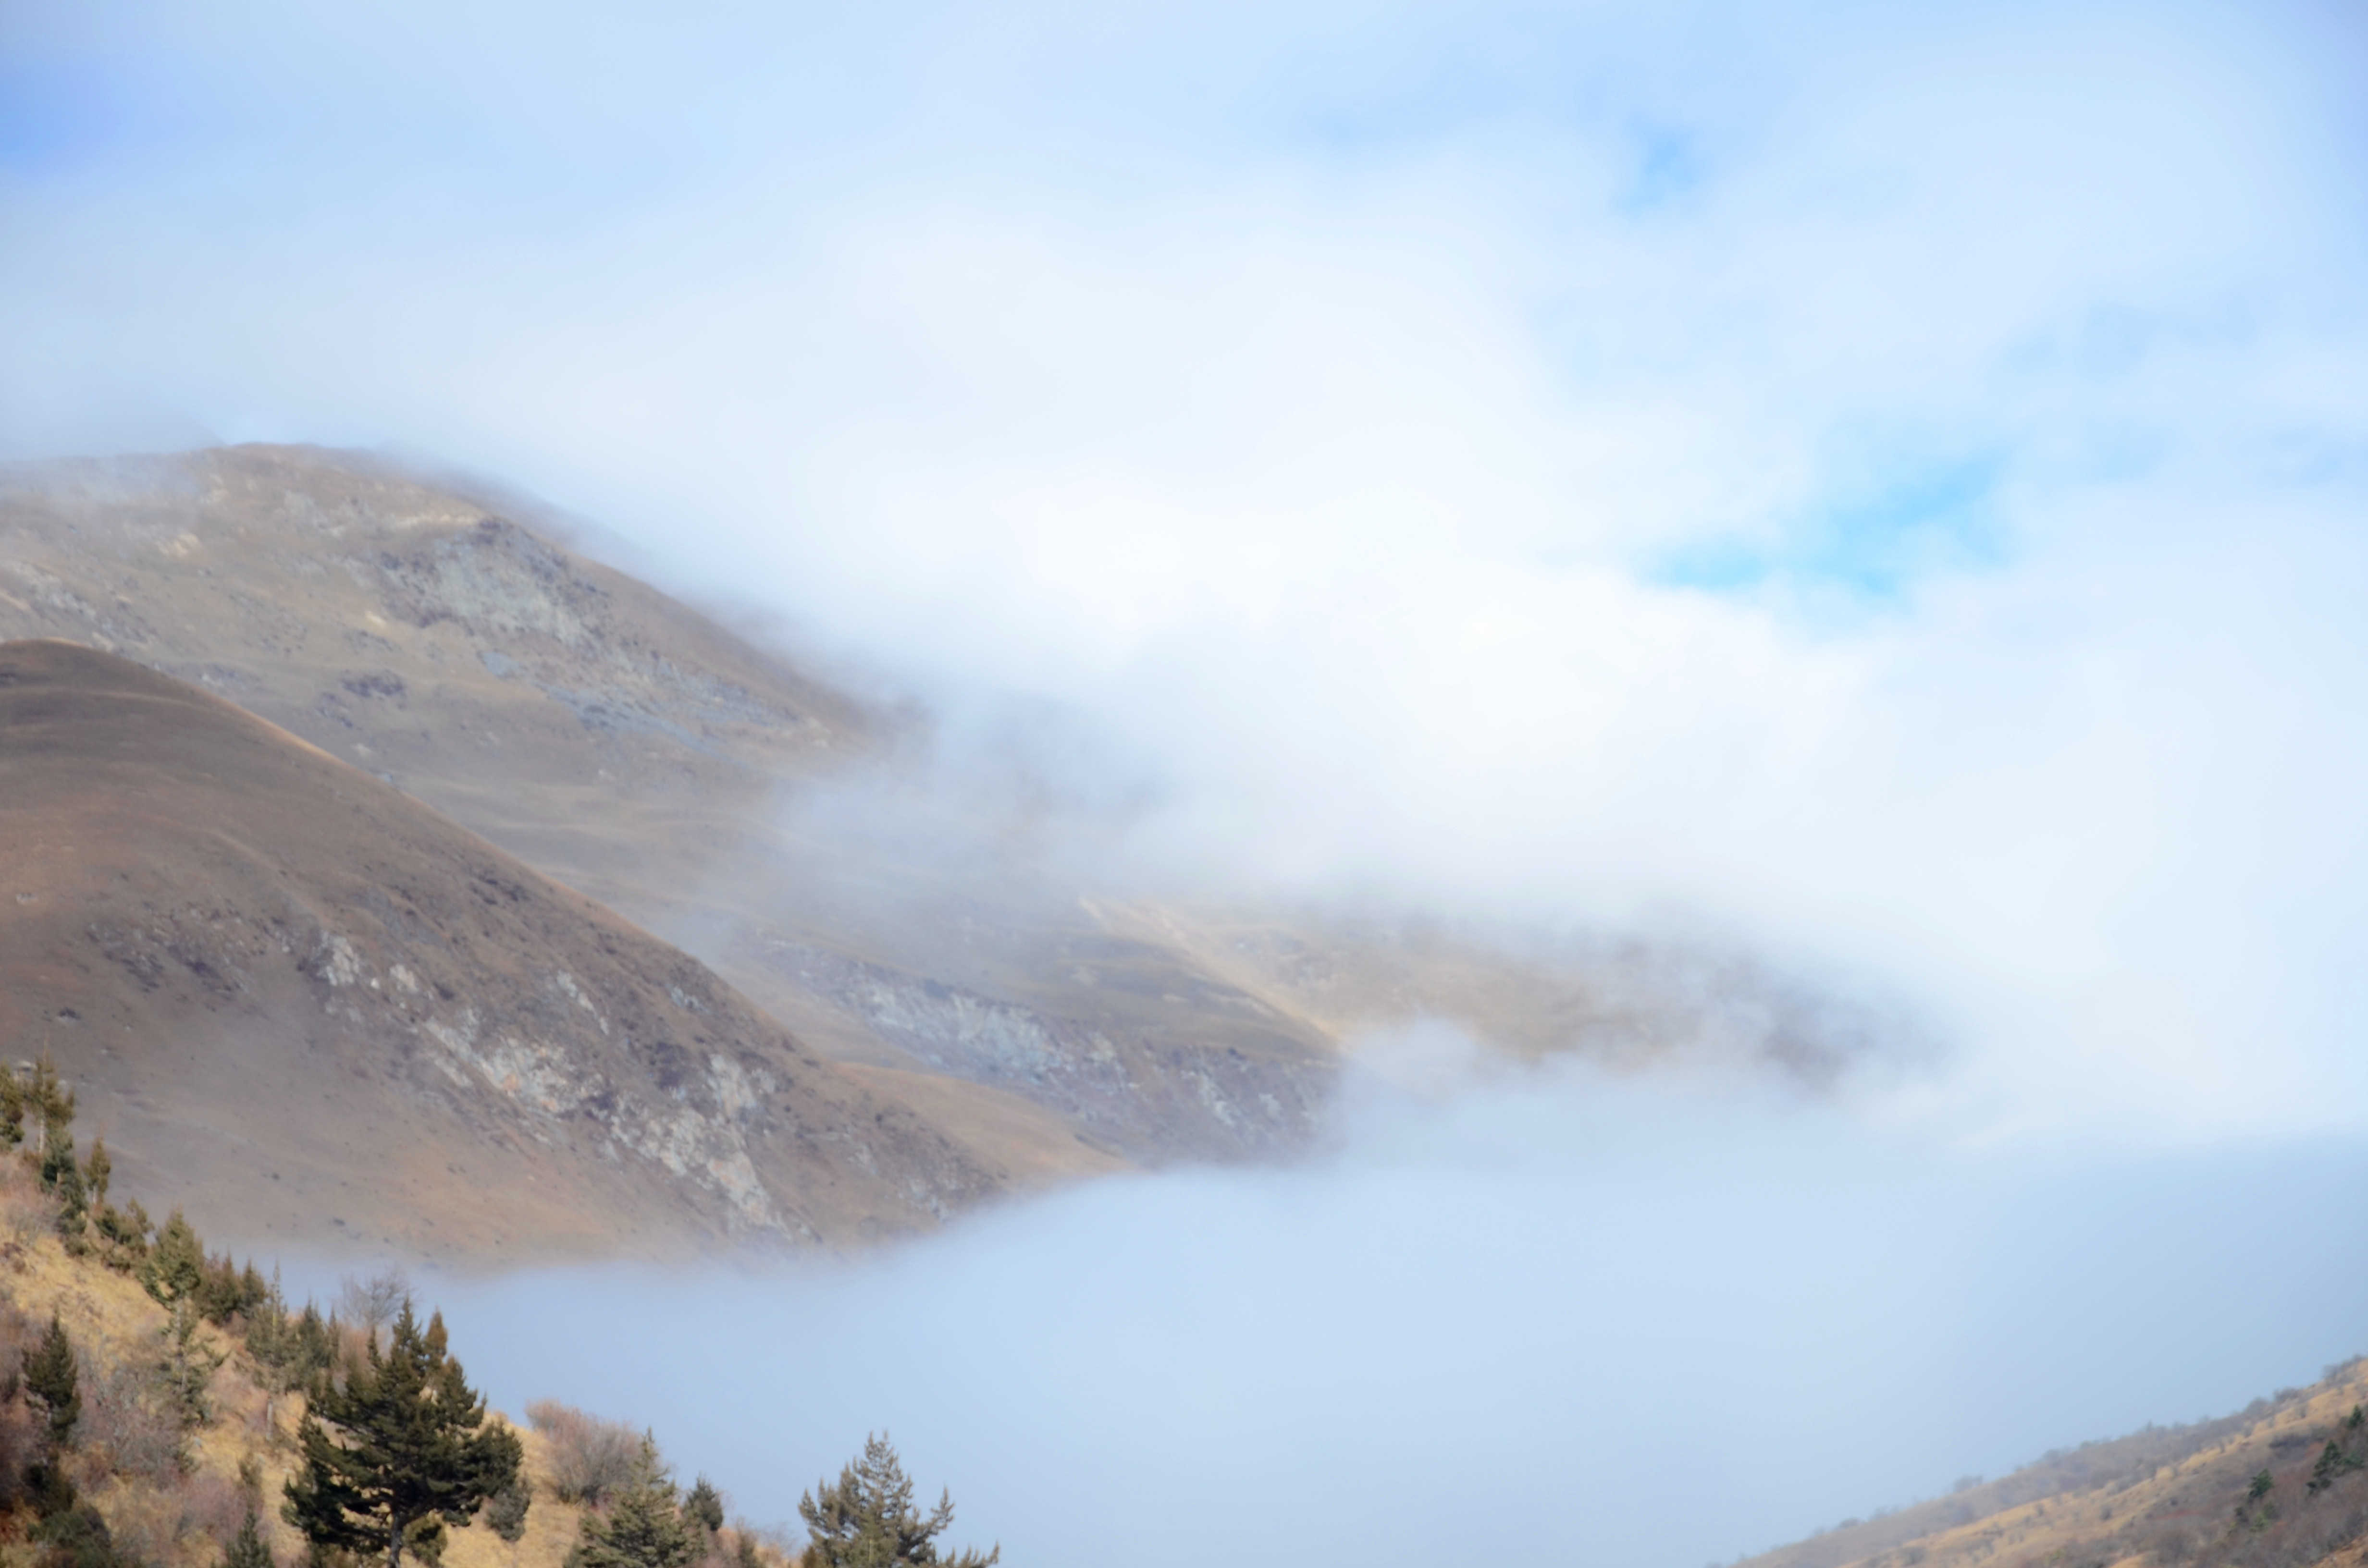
<point>1570,783</point>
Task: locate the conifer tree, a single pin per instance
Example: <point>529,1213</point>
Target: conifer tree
<point>645,1526</point>
<point>12,1108</point>
<point>412,1443</point>
<point>49,1376</point>
<point>48,1097</point>
<point>188,1369</point>
<point>868,1519</point>
<point>65,1180</point>
<point>287,1352</point>
<point>175,1266</point>
<point>97,1172</point>
<point>703,1506</point>
<point>246,1549</point>
<point>126,1230</point>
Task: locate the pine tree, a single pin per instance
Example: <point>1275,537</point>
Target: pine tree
<point>12,1108</point>
<point>189,1366</point>
<point>645,1526</point>
<point>65,1180</point>
<point>412,1443</point>
<point>175,1266</point>
<point>868,1520</point>
<point>49,1376</point>
<point>286,1356</point>
<point>703,1506</point>
<point>48,1097</point>
<point>246,1549</point>
<point>97,1172</point>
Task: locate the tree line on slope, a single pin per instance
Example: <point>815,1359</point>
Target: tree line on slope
<point>393,1449</point>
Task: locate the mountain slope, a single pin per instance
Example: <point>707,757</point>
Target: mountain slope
<point>636,750</point>
<point>288,990</point>
<point>2252,1490</point>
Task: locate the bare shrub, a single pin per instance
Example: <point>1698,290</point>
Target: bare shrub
<point>19,1333</point>
<point>590,1458</point>
<point>145,1522</point>
<point>129,1427</point>
<point>374,1302</point>
<point>213,1506</point>
<point>25,1211</point>
<point>21,1438</point>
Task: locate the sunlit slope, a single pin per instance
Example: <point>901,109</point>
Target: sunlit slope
<point>181,1515</point>
<point>302,1003</point>
<point>2254,1490</point>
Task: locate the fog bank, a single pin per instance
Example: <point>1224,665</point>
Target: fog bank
<point>1887,481</point>
<point>1556,1319</point>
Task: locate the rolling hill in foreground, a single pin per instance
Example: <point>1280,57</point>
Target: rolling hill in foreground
<point>308,1008</point>
<point>2283,1484</point>
<point>649,756</point>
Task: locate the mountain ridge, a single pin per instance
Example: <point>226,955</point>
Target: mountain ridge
<point>211,923</point>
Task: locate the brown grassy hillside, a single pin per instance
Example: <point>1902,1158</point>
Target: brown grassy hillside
<point>2253,1490</point>
<point>172,1494</point>
<point>306,1005</point>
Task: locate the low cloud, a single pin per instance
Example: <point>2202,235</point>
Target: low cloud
<point>1565,1317</point>
<point>1881,489</point>
<point>1882,486</point>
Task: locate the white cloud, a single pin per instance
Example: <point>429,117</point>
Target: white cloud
<point>1553,1319</point>
<point>1319,405</point>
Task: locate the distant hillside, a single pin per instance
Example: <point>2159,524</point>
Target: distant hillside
<point>2283,1484</point>
<point>637,751</point>
<point>309,1007</point>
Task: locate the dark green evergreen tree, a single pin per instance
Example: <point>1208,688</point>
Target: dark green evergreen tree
<point>411,1443</point>
<point>125,1229</point>
<point>97,1171</point>
<point>645,1526</point>
<point>703,1506</point>
<point>74,1206</point>
<point>76,1535</point>
<point>50,1377</point>
<point>188,1369</point>
<point>246,1549</point>
<point>59,1173</point>
<point>175,1266</point>
<point>12,1108</point>
<point>49,1100</point>
<point>2339,1459</point>
<point>287,1352</point>
<point>2258,1511</point>
<point>868,1519</point>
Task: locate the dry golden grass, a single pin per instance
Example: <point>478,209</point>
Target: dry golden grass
<point>2120,1518</point>
<point>182,1525</point>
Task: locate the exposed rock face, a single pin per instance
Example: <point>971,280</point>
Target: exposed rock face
<point>1119,1082</point>
<point>322,998</point>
